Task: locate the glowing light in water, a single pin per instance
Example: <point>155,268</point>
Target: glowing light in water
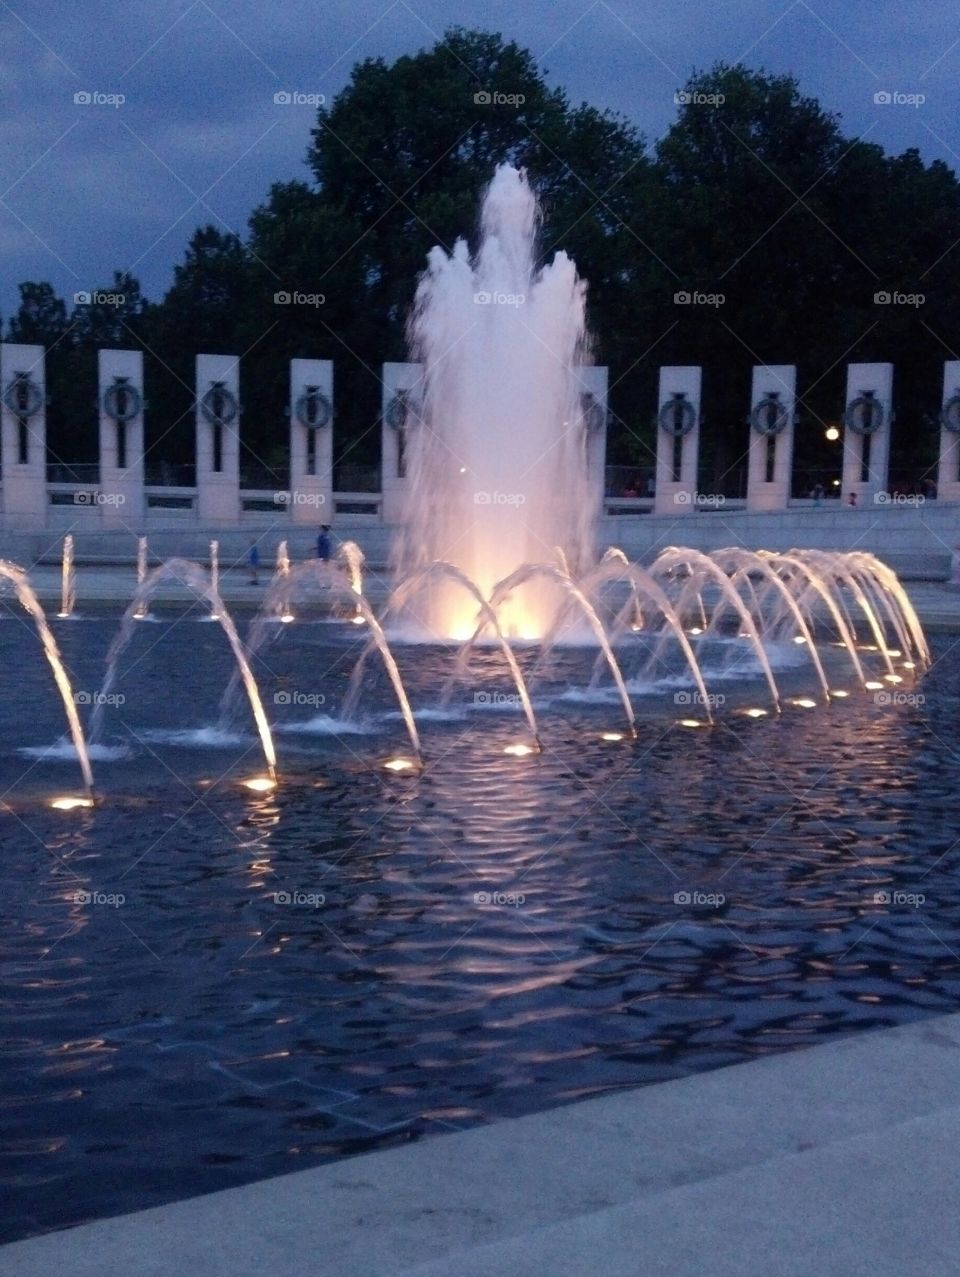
<point>839,694</point>
<point>692,722</point>
<point>400,765</point>
<point>69,803</point>
<point>798,638</point>
<point>804,702</point>
<point>873,686</point>
<point>754,713</point>
<point>520,751</point>
<point>612,736</point>
<point>260,784</point>
<point>893,678</point>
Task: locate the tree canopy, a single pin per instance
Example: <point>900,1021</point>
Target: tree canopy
<point>754,194</point>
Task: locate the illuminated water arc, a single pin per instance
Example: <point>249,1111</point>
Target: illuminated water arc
<point>27,598</point>
<point>530,570</point>
<point>198,581</point>
<point>687,557</point>
<point>400,599</point>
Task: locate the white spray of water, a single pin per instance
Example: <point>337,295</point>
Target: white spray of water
<point>497,461</point>
<point>68,582</point>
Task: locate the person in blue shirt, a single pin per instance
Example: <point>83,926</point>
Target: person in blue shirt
<point>323,543</point>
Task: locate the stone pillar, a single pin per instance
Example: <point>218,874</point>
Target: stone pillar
<point>591,382</point>
<point>23,436</point>
<point>772,405</point>
<point>866,432</point>
<point>402,400</point>
<point>218,440</point>
<point>120,396</point>
<point>678,440</point>
<point>311,441</point>
<point>948,477</point>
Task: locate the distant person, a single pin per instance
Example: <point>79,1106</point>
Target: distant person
<point>253,563</point>
<point>323,543</point>
<point>651,485</point>
<point>852,500</point>
<point>817,494</point>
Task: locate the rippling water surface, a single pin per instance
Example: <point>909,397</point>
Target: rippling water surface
<point>203,986</point>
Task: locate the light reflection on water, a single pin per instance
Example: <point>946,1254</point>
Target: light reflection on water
<point>360,957</point>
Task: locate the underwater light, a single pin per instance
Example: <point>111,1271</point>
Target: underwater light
<point>873,686</point>
<point>611,736</point>
<point>692,722</point>
<point>804,702</point>
<point>754,713</point>
<point>400,765</point>
<point>260,784</point>
<point>520,751</point>
<point>839,694</point>
<point>70,802</point>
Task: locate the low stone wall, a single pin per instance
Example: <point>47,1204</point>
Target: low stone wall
<point>918,541</point>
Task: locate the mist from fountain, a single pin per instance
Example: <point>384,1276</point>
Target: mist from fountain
<point>496,467</point>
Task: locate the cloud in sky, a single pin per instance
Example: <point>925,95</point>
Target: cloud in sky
<point>87,188</point>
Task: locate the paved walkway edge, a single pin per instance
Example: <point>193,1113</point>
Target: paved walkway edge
<point>842,1158</point>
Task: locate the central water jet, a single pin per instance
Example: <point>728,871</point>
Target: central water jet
<point>497,467</point>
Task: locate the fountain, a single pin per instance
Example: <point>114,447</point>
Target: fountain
<point>496,465</point>
<point>499,540</point>
<point>28,600</point>
<point>214,574</point>
<point>68,581</point>
<point>142,612</point>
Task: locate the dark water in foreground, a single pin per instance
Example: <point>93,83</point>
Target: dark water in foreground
<point>203,986</point>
